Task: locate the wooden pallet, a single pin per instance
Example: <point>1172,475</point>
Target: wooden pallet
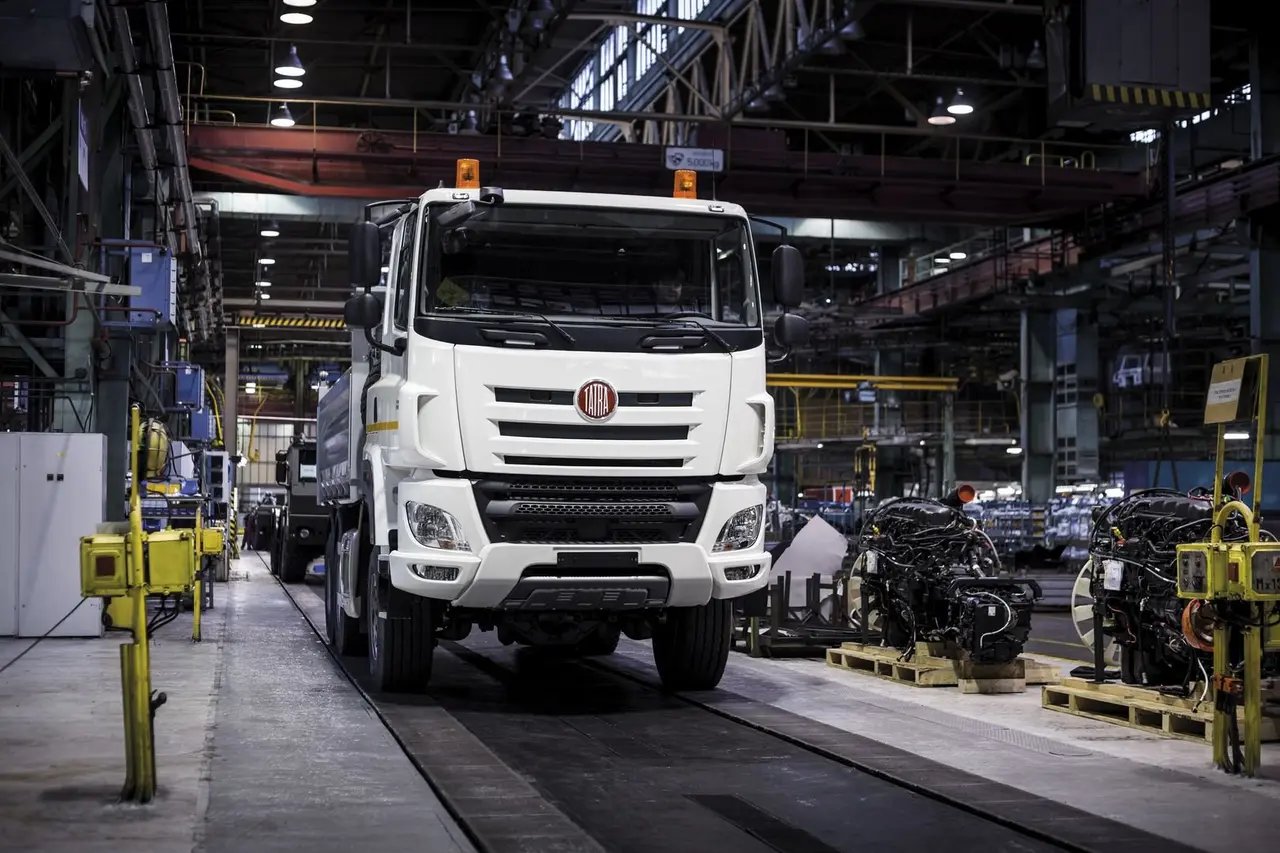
<point>936,665</point>
<point>1140,708</point>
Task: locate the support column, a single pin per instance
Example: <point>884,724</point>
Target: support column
<point>230,391</point>
<point>1038,417</point>
<point>1075,383</point>
<point>1264,232</point>
<point>948,474</point>
<point>111,412</point>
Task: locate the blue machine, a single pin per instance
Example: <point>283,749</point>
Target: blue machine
<point>188,385</point>
<point>203,428</point>
<point>152,269</point>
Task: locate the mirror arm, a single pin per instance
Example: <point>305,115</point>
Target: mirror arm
<point>786,354</point>
<point>396,349</point>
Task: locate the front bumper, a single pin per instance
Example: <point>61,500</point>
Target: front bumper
<point>489,573</point>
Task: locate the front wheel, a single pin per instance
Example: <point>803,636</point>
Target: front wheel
<point>401,634</point>
<point>691,646</point>
<point>293,562</point>
<point>343,631</point>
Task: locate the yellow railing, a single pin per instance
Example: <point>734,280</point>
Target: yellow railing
<point>815,420</point>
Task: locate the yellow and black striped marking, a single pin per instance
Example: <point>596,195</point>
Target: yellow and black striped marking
<point>1151,97</point>
<point>274,321</point>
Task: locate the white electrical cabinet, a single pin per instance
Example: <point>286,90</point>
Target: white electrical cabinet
<point>57,495</point>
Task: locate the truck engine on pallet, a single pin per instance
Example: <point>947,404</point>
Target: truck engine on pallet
<point>928,577</point>
<point>1133,551</point>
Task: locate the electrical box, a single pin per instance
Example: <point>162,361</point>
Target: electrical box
<point>103,566</point>
<point>217,475</point>
<point>104,563</point>
<point>152,268</point>
<point>188,385</point>
<point>212,540</point>
<point>1249,571</point>
<point>202,426</point>
<point>171,560</point>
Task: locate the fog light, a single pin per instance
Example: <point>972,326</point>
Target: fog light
<point>741,573</point>
<point>434,573</point>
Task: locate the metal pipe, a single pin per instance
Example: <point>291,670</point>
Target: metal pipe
<point>137,98</point>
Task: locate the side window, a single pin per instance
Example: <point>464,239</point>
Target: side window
<point>404,269</point>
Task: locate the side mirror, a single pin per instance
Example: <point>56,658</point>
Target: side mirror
<point>791,330</point>
<point>456,214</point>
<point>788,276</point>
<point>282,468</point>
<point>364,255</point>
<point>363,311</point>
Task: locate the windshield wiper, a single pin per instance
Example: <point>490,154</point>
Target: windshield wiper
<point>675,323</point>
<point>514,315</point>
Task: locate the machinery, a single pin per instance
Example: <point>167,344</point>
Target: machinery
<point>301,524</point>
<point>561,446</point>
<point>924,572</point>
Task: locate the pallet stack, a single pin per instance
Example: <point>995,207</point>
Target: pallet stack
<point>942,665</point>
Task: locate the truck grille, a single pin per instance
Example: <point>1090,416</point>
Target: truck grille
<point>574,510</point>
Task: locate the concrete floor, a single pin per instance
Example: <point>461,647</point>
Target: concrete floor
<point>264,745</point>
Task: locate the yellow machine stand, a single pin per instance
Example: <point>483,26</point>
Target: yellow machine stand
<point>1237,583</point>
<point>125,568</point>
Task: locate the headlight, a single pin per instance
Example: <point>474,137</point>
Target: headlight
<point>740,531</point>
<point>435,528</point>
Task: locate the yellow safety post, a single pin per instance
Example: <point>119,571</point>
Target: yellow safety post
<point>197,588</point>
<point>135,657</point>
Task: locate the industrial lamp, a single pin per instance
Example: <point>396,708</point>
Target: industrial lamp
<point>940,117</point>
<point>283,118</point>
<point>959,105</point>
<point>291,65</point>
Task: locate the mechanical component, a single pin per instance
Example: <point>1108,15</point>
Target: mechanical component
<point>928,577</point>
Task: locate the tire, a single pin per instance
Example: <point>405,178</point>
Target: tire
<point>691,646</point>
<point>275,556</point>
<point>344,632</point>
<point>603,641</point>
<point>293,563</point>
<point>401,639</point>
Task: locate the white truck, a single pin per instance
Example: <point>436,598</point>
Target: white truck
<point>553,426</point>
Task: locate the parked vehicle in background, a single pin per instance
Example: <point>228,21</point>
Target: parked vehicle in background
<point>302,525</point>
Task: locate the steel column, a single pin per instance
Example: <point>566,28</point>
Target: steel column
<point>1264,232</point>
<point>230,391</point>
<point>1037,428</point>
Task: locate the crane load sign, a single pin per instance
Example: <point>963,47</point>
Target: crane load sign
<point>1231,381</point>
<point>694,159</point>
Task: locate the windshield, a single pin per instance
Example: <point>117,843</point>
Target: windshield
<point>590,262</point>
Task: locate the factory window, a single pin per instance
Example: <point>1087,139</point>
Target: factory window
<point>404,269</point>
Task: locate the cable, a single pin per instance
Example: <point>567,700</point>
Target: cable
<point>37,640</point>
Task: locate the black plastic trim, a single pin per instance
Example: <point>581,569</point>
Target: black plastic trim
<point>593,463</point>
<point>542,397</point>
<point>588,336</point>
<point>533,396</point>
<point>593,432</point>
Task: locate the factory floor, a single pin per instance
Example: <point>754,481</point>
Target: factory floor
<point>266,743</point>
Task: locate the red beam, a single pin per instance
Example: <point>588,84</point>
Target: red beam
<point>767,178</point>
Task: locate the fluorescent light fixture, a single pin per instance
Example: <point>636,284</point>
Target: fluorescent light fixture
<point>1013,451</point>
<point>282,117</point>
<point>262,284</point>
<point>271,229</point>
<point>957,255</point>
<point>291,65</point>
<point>259,326</point>
<point>819,445</point>
<point>1114,492</point>
<point>296,18</point>
<point>264,295</point>
<point>287,83</point>
<point>1007,442</point>
<point>300,4</point>
<point>1006,491</point>
<point>267,261</point>
<point>941,260</point>
<point>386,270</point>
<point>1236,436</point>
<point>960,105</point>
<point>940,117</point>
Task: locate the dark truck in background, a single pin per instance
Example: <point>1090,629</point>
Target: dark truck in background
<point>302,525</point>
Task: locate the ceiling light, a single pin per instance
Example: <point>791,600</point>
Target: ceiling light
<point>957,255</point>
<point>941,260</point>
<point>291,65</point>
<point>287,83</point>
<point>270,229</point>
<point>757,104</point>
<point>819,445</point>
<point>541,11</point>
<point>959,105</point>
<point>259,326</point>
<point>262,284</point>
<point>282,117</point>
<point>832,46</point>
<point>469,124</point>
<point>940,117</point>
<point>1035,59</point>
<point>267,261</point>
<point>1013,451</point>
<point>853,31</point>
<point>1236,436</point>
<point>775,93</point>
<point>296,18</point>
<point>300,4</point>
<point>386,270</point>
<point>503,71</point>
<point>264,295</point>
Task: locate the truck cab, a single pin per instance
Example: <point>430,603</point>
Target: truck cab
<point>302,524</point>
<point>554,427</point>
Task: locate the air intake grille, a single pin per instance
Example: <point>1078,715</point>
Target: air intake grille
<point>572,510</point>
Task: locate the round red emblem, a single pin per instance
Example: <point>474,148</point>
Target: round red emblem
<point>596,400</point>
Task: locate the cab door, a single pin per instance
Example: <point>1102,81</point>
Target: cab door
<point>383,417</point>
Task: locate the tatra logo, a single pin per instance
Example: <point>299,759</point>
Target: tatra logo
<point>596,400</point>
